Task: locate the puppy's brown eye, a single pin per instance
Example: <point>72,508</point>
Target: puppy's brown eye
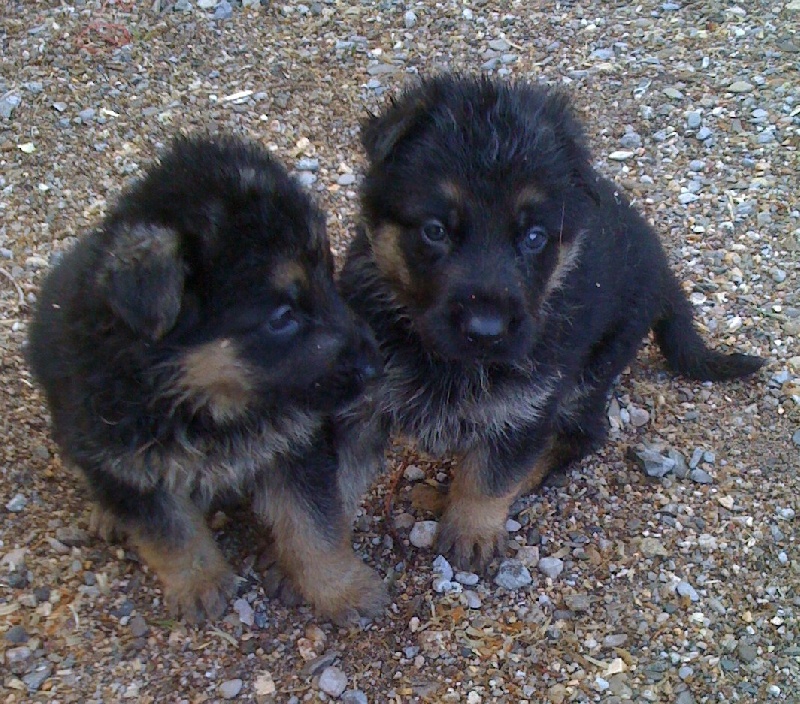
<point>434,233</point>
<point>283,321</point>
<point>534,240</point>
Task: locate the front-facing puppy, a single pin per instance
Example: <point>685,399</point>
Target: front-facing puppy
<point>194,350</point>
<point>508,284</point>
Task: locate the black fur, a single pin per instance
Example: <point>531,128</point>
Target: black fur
<point>508,284</point>
<point>182,368</point>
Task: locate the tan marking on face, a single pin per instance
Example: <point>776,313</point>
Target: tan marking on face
<point>288,275</point>
<point>319,561</point>
<point>568,256</point>
<point>213,375</point>
<point>453,192</point>
<point>530,195</point>
<point>388,255</point>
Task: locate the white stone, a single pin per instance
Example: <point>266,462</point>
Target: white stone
<point>333,681</point>
<point>423,534</point>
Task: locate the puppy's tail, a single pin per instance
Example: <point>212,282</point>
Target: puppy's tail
<point>685,350</point>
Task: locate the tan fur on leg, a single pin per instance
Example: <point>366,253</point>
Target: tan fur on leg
<point>473,527</point>
<point>197,580</point>
<point>323,568</point>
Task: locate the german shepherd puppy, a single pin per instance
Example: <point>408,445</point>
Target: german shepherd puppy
<point>508,284</point>
<point>194,351</point>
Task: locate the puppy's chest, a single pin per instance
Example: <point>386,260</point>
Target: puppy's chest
<point>233,462</point>
<point>447,410</point>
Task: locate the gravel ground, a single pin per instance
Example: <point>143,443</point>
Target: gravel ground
<point>664,569</point>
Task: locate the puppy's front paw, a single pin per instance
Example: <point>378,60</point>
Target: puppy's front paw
<point>105,525</point>
<point>277,583</point>
<point>470,545</point>
<point>197,595</point>
<point>359,592</point>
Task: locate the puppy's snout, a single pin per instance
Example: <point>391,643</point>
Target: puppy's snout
<point>485,327</point>
<point>484,323</point>
<point>368,359</point>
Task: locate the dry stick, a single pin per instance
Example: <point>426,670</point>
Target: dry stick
<point>16,285</point>
<point>391,490</point>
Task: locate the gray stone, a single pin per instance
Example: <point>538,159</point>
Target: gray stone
<point>442,567</point>
<point>685,697</point>
<point>34,680</point>
<point>615,640</point>
<point>578,602</point>
<point>17,658</point>
<point>306,178</point>
<point>354,696</point>
<point>16,635</point>
<point>317,665</point>
<point>551,566</point>
<point>72,536</point>
<point>230,689</point>
<point>701,476</point>
<point>685,671</point>
<point>245,611</point>
<point>346,179</point>
<point>423,534</point>
<point>796,437</point>
<point>746,652</point>
<point>8,104</point>
<point>697,455</point>
<point>410,19</point>
<point>17,503</point>
<point>697,165</point>
<point>694,120</point>
<point>653,463</point>
<point>630,140</point>
<point>138,626</point>
<point>703,134</point>
<point>413,473</point>
<point>333,681</point>
<point>472,599</point>
<point>87,114</point>
<point>468,579</point>
<point>686,198</point>
<point>499,45</point>
<point>686,589</point>
<point>512,575</point>
<point>740,87</point>
<point>206,4</point>
<point>307,164</point>
<point>223,11</point>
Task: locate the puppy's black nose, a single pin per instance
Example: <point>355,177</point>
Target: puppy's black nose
<point>485,327</point>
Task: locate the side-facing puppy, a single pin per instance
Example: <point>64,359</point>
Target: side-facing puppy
<point>194,351</point>
<point>508,284</point>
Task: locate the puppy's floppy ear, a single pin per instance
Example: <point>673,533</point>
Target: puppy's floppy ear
<point>143,275</point>
<point>572,142</point>
<point>380,134</point>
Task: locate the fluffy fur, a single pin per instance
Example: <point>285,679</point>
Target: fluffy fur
<point>508,284</point>
<point>194,351</point>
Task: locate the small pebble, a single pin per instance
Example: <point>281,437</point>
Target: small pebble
<point>423,534</point>
<point>17,503</point>
<point>551,567</point>
<point>223,11</point>
<point>740,87</point>
<point>694,120</point>
<point>472,599</point>
<point>701,476</point>
<point>16,635</point>
<point>230,689</point>
<point>346,179</point>
<point>512,575</point>
<point>686,589</point>
<point>410,19</point>
<point>245,611</point>
<point>442,567</point>
<point>354,696</point>
<point>413,473</point>
<point>34,680</point>
<point>138,626</point>
<point>468,579</point>
<point>513,526</point>
<point>639,416</point>
<point>333,681</point>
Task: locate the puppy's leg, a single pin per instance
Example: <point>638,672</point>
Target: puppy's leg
<point>172,537</point>
<point>472,530</point>
<point>312,546</point>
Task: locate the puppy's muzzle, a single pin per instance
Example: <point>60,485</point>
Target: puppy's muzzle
<point>484,324</point>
